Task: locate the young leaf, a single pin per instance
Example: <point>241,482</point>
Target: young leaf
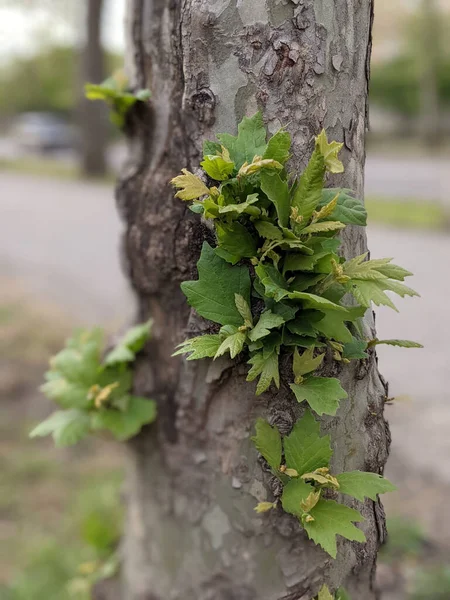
<point>324,593</point>
<point>268,443</point>
<point>314,301</point>
<point>309,190</point>
<point>67,427</point>
<point>244,309</point>
<point>263,507</point>
<point>212,295</point>
<point>305,450</point>
<point>268,230</point>
<point>277,190</point>
<point>306,363</point>
<point>267,368</point>
<point>267,321</point>
<point>189,185</point>
<point>295,493</point>
<point>331,519</point>
<point>330,151</point>
<point>250,141</point>
<point>66,393</point>
<point>399,343</point>
<point>278,147</point>
<point>258,164</point>
<point>233,343</point>
<point>217,167</point>
<point>360,485</point>
<point>323,226</point>
<point>349,210</point>
<point>242,207</point>
<point>322,394</point>
<point>200,347</point>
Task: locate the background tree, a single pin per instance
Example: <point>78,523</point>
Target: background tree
<point>92,115</point>
<point>193,478</point>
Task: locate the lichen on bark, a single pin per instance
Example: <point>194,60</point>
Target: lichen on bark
<point>194,478</point>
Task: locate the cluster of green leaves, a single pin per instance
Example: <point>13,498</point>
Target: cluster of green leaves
<point>94,392</point>
<point>114,91</point>
<point>275,281</point>
<point>305,474</point>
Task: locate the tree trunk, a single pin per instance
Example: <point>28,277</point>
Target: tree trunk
<point>93,115</point>
<point>194,477</point>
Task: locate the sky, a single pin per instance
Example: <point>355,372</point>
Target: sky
<point>25,24</point>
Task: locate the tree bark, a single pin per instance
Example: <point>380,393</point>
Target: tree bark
<point>92,115</point>
<point>194,477</point>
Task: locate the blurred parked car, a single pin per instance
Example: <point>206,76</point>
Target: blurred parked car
<point>42,132</point>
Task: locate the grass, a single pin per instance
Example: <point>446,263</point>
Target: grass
<point>60,510</point>
<point>408,213</point>
<point>48,167</point>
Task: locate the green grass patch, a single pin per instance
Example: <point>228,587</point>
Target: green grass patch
<point>408,213</point>
<point>47,167</point>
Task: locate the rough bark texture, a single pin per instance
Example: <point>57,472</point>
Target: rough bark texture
<point>194,477</point>
<point>92,115</point>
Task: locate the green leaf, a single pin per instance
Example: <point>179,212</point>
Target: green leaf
<point>393,272</point>
<point>306,363</point>
<point>236,239</point>
<point>305,450</point>
<point>324,593</point>
<point>189,185</point>
<point>277,190</point>
<point>299,262</point>
<point>217,167</point>
<point>309,190</point>
<point>305,322</point>
<point>323,226</point>
<point>399,343</point>
<point>266,321</point>
<point>278,147</point>
<point>267,369</point>
<point>341,594</point>
<point>67,394</point>
<point>244,309</point>
<point>268,443</point>
<point>355,349</point>
<point>233,343</point>
<point>202,346</point>
<point>304,281</point>
<point>78,365</point>
<point>314,301</point>
<point>295,492</point>
<point>212,295</point>
<point>125,424</point>
<point>349,210</point>
<point>366,292</point>
<point>360,485</point>
<point>331,519</point>
<point>131,343</point>
<point>66,426</point>
<point>250,141</point>
<point>211,149</point>
<point>268,230</point>
<point>243,207</point>
<point>322,394</point>
<point>332,327</point>
<point>230,258</point>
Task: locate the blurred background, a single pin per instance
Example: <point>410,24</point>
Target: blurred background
<point>60,510</point>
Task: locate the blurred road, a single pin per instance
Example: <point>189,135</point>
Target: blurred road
<point>421,178</point>
<point>60,240</point>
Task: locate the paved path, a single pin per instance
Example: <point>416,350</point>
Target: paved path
<point>60,239</point>
<point>422,178</point>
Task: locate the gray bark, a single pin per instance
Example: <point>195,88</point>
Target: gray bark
<point>194,477</point>
<point>92,115</point>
